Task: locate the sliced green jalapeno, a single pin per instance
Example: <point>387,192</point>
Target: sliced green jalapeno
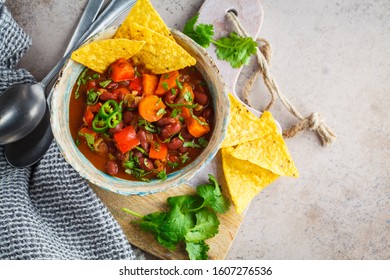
<point>108,108</point>
<point>114,119</point>
<point>99,124</point>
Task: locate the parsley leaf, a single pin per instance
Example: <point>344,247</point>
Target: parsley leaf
<point>235,49</point>
<point>197,251</point>
<point>202,33</point>
<point>213,196</point>
<point>191,219</point>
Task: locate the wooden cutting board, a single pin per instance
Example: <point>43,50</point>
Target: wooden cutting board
<point>219,245</point>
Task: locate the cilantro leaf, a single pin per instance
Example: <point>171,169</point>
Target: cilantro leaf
<point>235,49</point>
<point>191,219</point>
<point>206,226</point>
<point>213,196</point>
<point>202,33</point>
<point>176,225</point>
<point>197,251</point>
<point>186,203</point>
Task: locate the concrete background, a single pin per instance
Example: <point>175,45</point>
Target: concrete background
<point>330,57</point>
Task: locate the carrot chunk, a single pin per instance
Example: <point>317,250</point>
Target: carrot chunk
<point>196,128</point>
<point>158,150</point>
<point>167,82</point>
<point>149,83</point>
<point>151,108</point>
<point>122,70</point>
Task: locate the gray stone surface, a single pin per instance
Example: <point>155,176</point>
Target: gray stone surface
<point>328,56</point>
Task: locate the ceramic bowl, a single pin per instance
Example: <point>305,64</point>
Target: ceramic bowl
<point>60,125</point>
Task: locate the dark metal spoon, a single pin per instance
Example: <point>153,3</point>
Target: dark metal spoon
<point>35,145</point>
<point>29,149</point>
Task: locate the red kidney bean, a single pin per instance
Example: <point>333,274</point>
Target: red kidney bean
<point>141,135</point>
<point>112,167</point>
<point>175,143</point>
<point>106,95</point>
<point>170,130</point>
<point>112,86</point>
<point>207,113</point>
<point>184,132</point>
<point>146,164</point>
<point>124,83</point>
<point>169,97</point>
<point>184,149</point>
<point>127,117</point>
<point>120,156</point>
<point>173,158</point>
<point>138,154</point>
<point>117,128</point>
<point>201,98</point>
<point>166,121</point>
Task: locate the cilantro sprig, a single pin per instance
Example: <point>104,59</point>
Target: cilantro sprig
<point>233,48</point>
<point>191,219</point>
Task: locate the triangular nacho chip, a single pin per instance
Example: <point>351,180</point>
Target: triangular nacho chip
<point>98,55</point>
<point>159,54</point>
<point>244,126</point>
<point>144,14</point>
<point>244,179</point>
<point>269,152</point>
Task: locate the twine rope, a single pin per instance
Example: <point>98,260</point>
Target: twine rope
<point>313,122</point>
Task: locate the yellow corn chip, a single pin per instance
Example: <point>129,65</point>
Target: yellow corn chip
<point>159,54</point>
<point>144,14</point>
<point>98,55</point>
<point>244,126</point>
<point>244,179</point>
<point>269,152</point>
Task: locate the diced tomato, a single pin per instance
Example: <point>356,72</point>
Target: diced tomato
<point>158,150</point>
<point>136,84</point>
<point>122,70</point>
<point>126,139</point>
<point>88,118</point>
<point>94,108</point>
<point>91,85</point>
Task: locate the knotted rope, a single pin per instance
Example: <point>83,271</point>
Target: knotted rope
<point>312,122</point>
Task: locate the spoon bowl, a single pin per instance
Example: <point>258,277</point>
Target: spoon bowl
<point>21,107</point>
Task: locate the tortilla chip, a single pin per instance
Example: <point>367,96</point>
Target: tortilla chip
<point>244,126</point>
<point>144,14</point>
<point>98,55</point>
<point>159,54</point>
<point>244,179</point>
<point>269,152</point>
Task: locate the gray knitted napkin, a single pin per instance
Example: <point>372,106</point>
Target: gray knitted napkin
<point>48,211</point>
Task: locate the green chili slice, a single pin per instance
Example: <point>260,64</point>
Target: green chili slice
<point>108,108</point>
<point>114,119</point>
<point>99,125</point>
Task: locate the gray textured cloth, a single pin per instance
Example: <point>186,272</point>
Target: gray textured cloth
<point>48,211</point>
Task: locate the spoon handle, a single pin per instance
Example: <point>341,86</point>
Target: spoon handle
<point>113,10</point>
<point>89,15</point>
